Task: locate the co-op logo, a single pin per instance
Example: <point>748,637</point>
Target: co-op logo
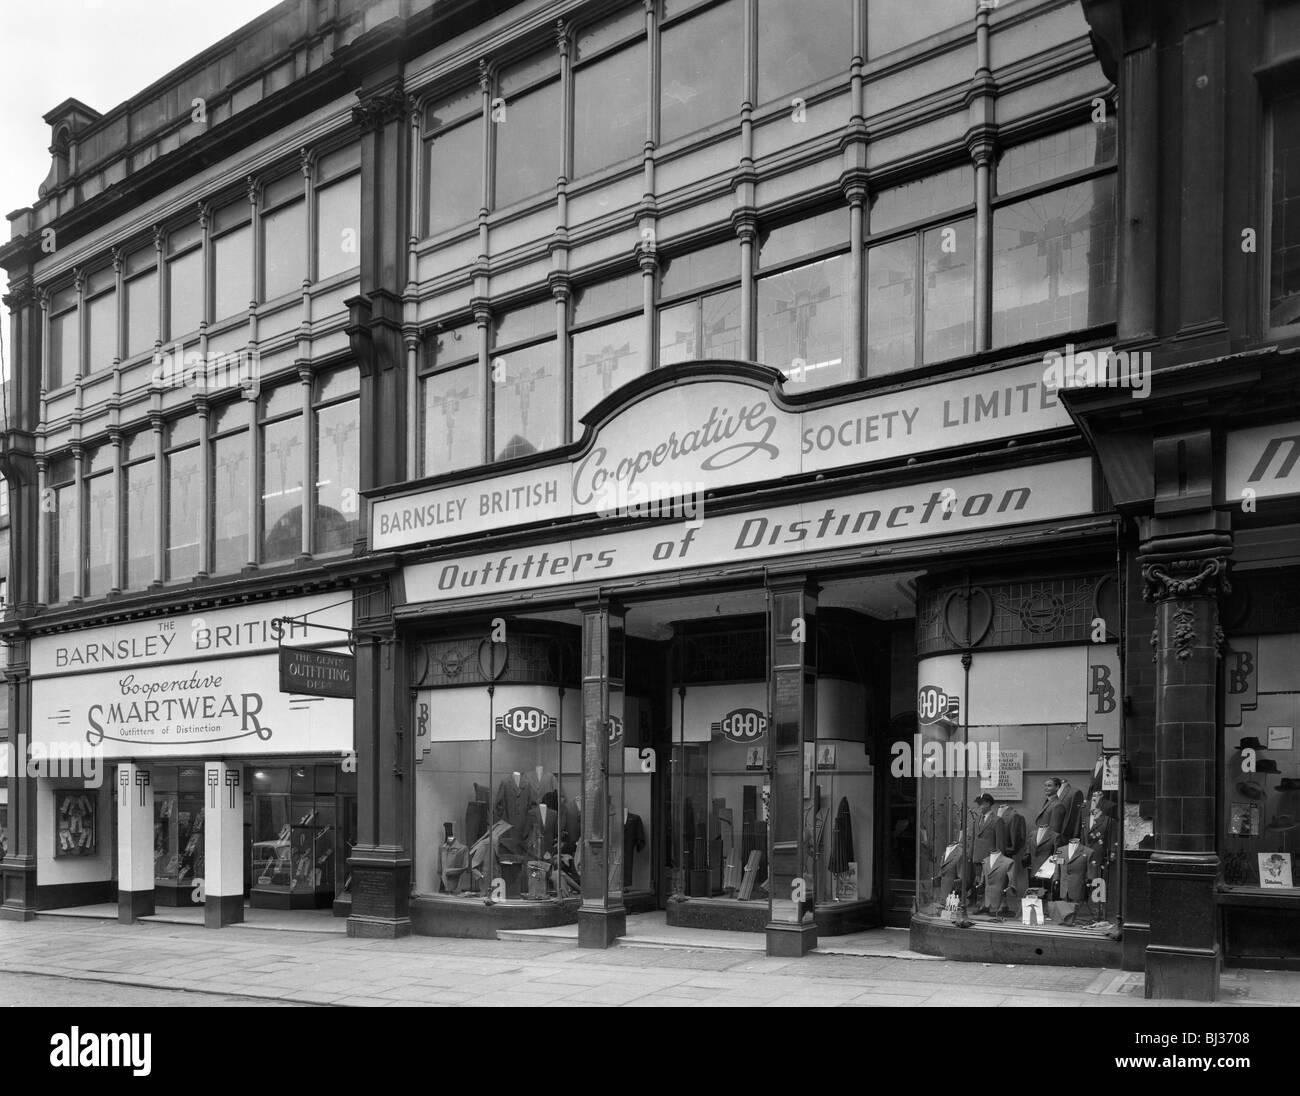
<point>525,722</point>
<point>933,705</point>
<point>741,725</point>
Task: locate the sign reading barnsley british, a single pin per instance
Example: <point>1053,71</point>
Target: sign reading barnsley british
<point>702,434</point>
<point>1007,497</point>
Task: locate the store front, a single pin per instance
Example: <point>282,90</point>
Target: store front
<point>179,774</point>
<point>728,683</point>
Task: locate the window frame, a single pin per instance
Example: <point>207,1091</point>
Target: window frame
<point>215,435</point>
<point>494,350</point>
<point>88,478</point>
<point>264,421</point>
<point>109,288</point>
<point>537,84</point>
<point>168,259</point>
<point>429,135</point>
<point>664,23</point>
<point>129,278</point>
<point>429,368</point>
<point>124,509</point>
<point>1271,330</point>
<point>169,453</point>
<point>321,403</point>
<point>314,220</point>
<point>243,221</point>
<point>607,50</point>
<point>259,240</point>
<point>573,328</point>
<point>61,314</point>
<point>694,296</point>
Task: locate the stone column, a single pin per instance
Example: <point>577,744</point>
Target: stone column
<point>791,738</point>
<point>134,843</point>
<point>223,844</point>
<point>1184,576</point>
<point>602,918</point>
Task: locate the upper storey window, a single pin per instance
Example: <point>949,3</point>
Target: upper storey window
<point>526,127</point>
<point>453,160</point>
<point>184,280</point>
<point>892,25</point>
<point>1284,211</point>
<point>802,44</point>
<point>701,67</point>
<point>610,99</point>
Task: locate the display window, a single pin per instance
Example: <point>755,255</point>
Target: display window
<point>718,842</point>
<point>1018,825</point>
<point>177,830</point>
<point>303,828</point>
<point>1261,770</point>
<point>499,809</point>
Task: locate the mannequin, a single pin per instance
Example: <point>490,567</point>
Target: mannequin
<point>996,868</point>
<point>1015,840</point>
<point>633,843</point>
<point>514,799</point>
<point>453,862</point>
<point>950,868</point>
<point>1041,845</point>
<point>1076,870</point>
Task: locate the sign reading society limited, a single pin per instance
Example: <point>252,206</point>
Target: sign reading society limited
<point>708,433</point>
<point>186,686</point>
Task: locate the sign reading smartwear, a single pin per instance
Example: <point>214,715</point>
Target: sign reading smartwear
<point>1265,460</point>
<point>700,435</point>
<point>966,504</point>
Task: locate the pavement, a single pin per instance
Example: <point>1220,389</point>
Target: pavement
<point>307,966</point>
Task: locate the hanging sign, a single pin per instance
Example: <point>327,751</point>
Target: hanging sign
<point>309,672</point>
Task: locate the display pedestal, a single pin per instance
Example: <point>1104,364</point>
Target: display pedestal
<point>791,941</point>
<point>600,926</point>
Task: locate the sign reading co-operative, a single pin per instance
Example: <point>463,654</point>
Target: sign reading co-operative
<point>702,433</point>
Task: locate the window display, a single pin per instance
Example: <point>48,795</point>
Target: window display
<point>295,860</point>
<point>499,808</point>
<point>1261,793</point>
<point>74,823</point>
<point>994,846</point>
<point>177,831</point>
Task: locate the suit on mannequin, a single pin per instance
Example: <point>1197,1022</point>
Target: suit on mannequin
<point>1041,844</point>
<point>540,830</point>
<point>1074,816</point>
<point>1077,868</point>
<point>1051,814</point>
<point>988,836</point>
<point>1015,838</point>
<point>996,869</point>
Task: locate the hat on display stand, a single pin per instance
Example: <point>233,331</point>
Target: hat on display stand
<point>1251,744</point>
<point>1251,789</point>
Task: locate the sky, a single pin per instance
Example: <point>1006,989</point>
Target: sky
<point>99,51</point>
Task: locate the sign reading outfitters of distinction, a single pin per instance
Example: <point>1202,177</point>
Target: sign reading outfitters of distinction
<point>965,504</point>
<point>708,433</point>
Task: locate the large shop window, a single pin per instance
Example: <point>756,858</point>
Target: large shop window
<point>720,807</point>
<point>1054,250</point>
<point>699,313</point>
<point>526,383</point>
<point>805,313</point>
<point>177,831</point>
<point>526,125</point>
<point>1018,808</point>
<point>140,491</point>
<point>229,487</point>
<point>451,405</point>
<point>1284,211</point>
<point>921,285</point>
<point>1261,772</point>
<point>701,68</point>
<point>607,343</point>
<point>802,44</point>
<point>101,520</point>
<point>336,502</point>
<point>64,530</point>
<point>184,525</point>
<point>499,808</point>
<point>453,158</point>
<point>65,339</point>
<point>609,91</point>
<point>282,464</point>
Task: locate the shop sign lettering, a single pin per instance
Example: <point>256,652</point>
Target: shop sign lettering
<point>933,705</point>
<point>741,725</point>
<point>525,722</point>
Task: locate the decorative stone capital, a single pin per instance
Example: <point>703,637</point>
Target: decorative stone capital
<point>205,215</point>
<point>378,110</point>
<point>79,280</point>
<point>21,293</point>
<point>562,37</point>
<point>982,144</point>
<point>119,259</point>
<point>560,284</point>
<point>484,76</point>
<point>482,309</point>
<point>159,237</point>
<point>1177,578</point>
<point>745,223</point>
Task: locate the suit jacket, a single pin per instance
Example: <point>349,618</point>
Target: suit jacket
<point>513,802</point>
<point>1015,836</point>
<point>1074,814</point>
<point>1039,851</point>
<point>988,837</point>
<point>539,836</point>
<point>1051,814</point>
<point>1075,872</point>
<point>995,881</point>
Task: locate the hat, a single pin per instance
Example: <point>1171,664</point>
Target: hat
<point>1252,789</point>
<point>1267,766</point>
<point>1283,822</point>
<point>1289,784</point>
<point>1251,744</point>
<point>984,797</point>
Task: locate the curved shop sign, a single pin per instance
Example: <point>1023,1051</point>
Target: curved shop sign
<point>525,722</point>
<point>741,725</point>
<point>702,430</point>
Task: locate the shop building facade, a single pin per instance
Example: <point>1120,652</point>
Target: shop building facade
<point>182,460</point>
<point>739,529</point>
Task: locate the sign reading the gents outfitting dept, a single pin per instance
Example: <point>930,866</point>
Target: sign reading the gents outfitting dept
<point>1007,497</point>
<point>700,435</point>
<point>185,686</point>
<point>317,673</point>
